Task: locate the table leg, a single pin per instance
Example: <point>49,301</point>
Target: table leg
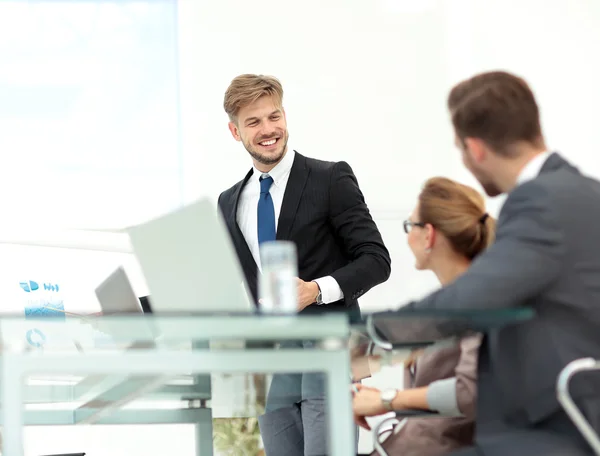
<point>204,427</point>
<point>342,440</point>
<point>12,404</point>
<point>204,434</point>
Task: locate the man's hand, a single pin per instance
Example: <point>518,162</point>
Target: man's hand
<point>366,402</point>
<point>307,293</point>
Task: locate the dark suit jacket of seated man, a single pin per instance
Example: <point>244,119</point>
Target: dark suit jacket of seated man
<point>341,255</point>
<point>546,256</point>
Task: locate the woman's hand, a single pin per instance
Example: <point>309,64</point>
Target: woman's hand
<point>366,402</point>
<point>412,358</point>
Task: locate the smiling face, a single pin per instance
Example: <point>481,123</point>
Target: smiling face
<point>262,128</point>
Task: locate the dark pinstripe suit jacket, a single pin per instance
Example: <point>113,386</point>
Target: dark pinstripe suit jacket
<point>325,214</point>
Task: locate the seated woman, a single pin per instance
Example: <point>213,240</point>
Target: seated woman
<point>448,228</point>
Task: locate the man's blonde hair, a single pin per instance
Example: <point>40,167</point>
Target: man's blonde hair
<point>246,89</point>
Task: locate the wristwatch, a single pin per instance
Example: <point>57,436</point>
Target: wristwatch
<point>387,396</point>
<point>319,298</point>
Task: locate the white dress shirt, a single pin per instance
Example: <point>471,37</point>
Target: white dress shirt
<point>247,217</point>
<point>533,167</point>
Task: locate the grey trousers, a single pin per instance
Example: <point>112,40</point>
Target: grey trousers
<point>295,420</point>
<point>296,430</point>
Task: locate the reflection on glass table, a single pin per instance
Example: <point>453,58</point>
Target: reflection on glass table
<point>158,369</point>
<point>394,337</point>
<point>412,328</point>
<point>176,369</point>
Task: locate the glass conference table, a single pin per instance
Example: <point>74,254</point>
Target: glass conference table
<point>196,369</point>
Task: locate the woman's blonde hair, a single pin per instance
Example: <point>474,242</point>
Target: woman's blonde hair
<point>458,212</point>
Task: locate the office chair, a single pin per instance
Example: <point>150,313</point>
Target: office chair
<point>567,403</point>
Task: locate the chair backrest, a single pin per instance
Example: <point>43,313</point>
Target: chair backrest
<point>377,432</point>
<point>566,401</point>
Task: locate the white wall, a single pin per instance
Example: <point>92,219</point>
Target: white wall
<point>362,85</point>
<point>366,82</point>
<point>88,112</point>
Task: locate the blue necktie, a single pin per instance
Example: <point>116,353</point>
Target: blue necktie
<point>266,211</point>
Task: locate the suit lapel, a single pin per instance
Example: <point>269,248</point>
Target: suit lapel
<point>291,198</point>
<point>246,258</point>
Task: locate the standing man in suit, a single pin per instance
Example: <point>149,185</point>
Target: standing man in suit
<point>546,256</point>
<point>319,206</point>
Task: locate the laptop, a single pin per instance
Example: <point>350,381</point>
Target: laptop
<point>189,262</point>
<point>146,305</point>
<point>116,296</point>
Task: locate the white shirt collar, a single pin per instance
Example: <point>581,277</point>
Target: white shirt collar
<point>533,167</point>
<point>281,169</point>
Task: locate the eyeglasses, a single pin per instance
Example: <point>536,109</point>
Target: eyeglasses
<point>408,224</point>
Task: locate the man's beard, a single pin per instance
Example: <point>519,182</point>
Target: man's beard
<point>491,189</point>
<point>270,159</point>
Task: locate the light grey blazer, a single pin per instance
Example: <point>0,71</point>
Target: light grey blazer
<point>450,371</point>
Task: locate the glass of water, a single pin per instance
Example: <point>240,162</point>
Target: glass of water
<point>277,287</point>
